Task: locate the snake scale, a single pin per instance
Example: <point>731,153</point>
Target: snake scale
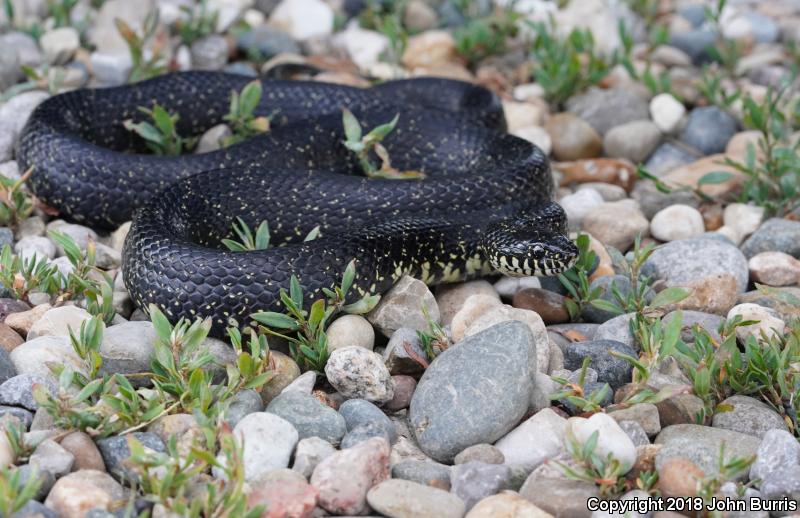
<point>483,206</point>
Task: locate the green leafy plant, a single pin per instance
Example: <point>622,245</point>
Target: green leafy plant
<point>712,87</point>
<point>241,117</point>
<point>21,276</point>
<point>161,136</point>
<point>14,431</point>
<point>61,11</point>
<point>198,22</point>
<point>727,470</point>
<point>364,145</point>
<point>259,240</point>
<point>724,51</point>
<point>16,203</point>
<point>575,394</point>
<point>485,37</point>
<point>435,340</point>
<point>608,474</point>
<point>16,491</point>
<point>305,329</point>
<point>144,67</point>
<point>576,279</point>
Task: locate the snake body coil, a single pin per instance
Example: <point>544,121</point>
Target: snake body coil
<point>484,204</point>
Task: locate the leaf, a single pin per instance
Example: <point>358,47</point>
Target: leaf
<point>380,132</point>
<point>163,120</point>
<point>669,296</point>
<point>312,235</point>
<point>352,128</point>
<point>296,291</point>
<point>251,96</point>
<point>607,305</point>
<point>714,177</point>
<point>363,306</point>
<point>262,236</point>
<point>348,276</point>
<point>276,320</point>
<point>160,323</point>
<point>316,314</point>
<point>145,130</point>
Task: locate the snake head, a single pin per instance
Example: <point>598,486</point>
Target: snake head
<point>533,242</point>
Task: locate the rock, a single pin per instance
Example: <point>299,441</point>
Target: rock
<point>634,140</point>
<point>45,478</point>
<point>716,293</point>
<point>450,298</point>
<point>679,478</point>
<point>209,52</point>
<point>308,416</point>
<point>701,445</point>
<point>268,443</point>
<point>667,112</point>
<point>15,113</point>
<point>402,306</point>
<point>506,505</point>
<point>116,451</point>
<point>611,439</point>
<point>559,496</point>
<point>38,246</point>
<point>350,330</point>
<point>506,287</point>
<point>775,234</point>
<point>396,355</point>
<point>283,496</point>
<point>665,158</point>
<point>473,481</point>
<point>23,416</point>
<point>406,499</point>
<point>303,19</point>
<point>548,305</point>
<point>419,16</point>
<point>10,73</point>
<point>578,204</point>
<point>111,69</point>
<point>616,223</point>
<point>535,135</point>
<point>680,409</point>
<point>610,369</point>
<point>34,509</point>
<point>617,329</point>
<point>635,433</point>
<point>309,453</point>
<point>774,269</point>
<point>304,383</point>
<point>769,323</point>
<point>691,174</point>
<point>344,477</point>
<point>404,387</point>
<point>746,219</point>
<point>18,390</point>
<point>645,414</point>
<point>429,49</point>
<point>747,415</point>
<point>84,450</point>
<point>474,307</point>
<point>267,41</point>
<point>33,356</point>
<point>285,371</point>
<point>445,420</point>
<point>607,285</point>
<point>50,457</point>
<point>213,138</point>
<point>9,306</point>
<point>534,441</point>
<point>678,263</point>
<point>484,453</point>
<point>358,412</point>
<point>605,109</point>
<point>616,171</point>
<point>781,485</point>
<point>359,373</point>
<point>75,494</point>
<point>58,322</point>
<point>572,137</point>
<point>523,114</point>
<point>695,43</point>
<point>709,129</point>
<point>677,222</point>
<point>707,321</point>
<point>7,370</point>
<point>609,192</point>
<point>243,404</point>
<point>427,473</point>
<point>59,45</point>
<point>778,450</point>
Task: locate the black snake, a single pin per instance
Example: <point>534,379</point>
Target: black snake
<point>483,206</point>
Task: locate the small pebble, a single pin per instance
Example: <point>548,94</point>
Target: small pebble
<point>677,222</point>
<point>774,269</point>
<point>667,112</point>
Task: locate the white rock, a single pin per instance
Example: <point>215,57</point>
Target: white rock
<point>268,440</point>
<point>304,383</point>
<point>451,297</point>
<point>731,233</point>
<point>33,356</point>
<point>58,321</point>
<point>579,204</point>
<point>536,135</point>
<point>213,138</point>
<point>769,323</point>
<point>40,246</point>
<point>228,11</point>
<point>364,47</point>
<point>537,439</point>
<point>523,114</point>
<point>745,219</point>
<point>774,269</point>
<point>111,69</point>
<point>351,330</point>
<point>667,112</point>
<point>15,113</point>
<point>10,170</point>
<point>79,233</point>
<point>472,308</point>
<point>359,373</point>
<point>611,439</point>
<point>507,287</point>
<point>677,222</point>
<point>303,19</point>
<point>528,92</point>
<point>49,456</point>
<point>429,49</point>
<point>310,452</point>
<point>404,306</point>
<point>59,45</point>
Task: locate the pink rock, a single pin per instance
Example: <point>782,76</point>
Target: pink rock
<point>344,478</point>
<point>284,498</point>
<point>774,269</point>
<point>404,387</point>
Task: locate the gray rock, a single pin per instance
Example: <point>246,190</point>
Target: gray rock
<point>46,479</point>
<point>557,333</point>
<point>309,453</point>
<point>405,305</point>
<point>269,441</point>
<point>635,432</point>
<point>617,329</point>
<point>209,52</point>
<point>694,13</point>
<point>559,496</point>
<point>50,457</point>
<point>267,42</point>
<point>764,28</point>
<point>634,140</point>
<point>363,432</point>
<point>590,388</point>
<point>25,46</point>
<point>605,109</point>
<point>475,480</point>
<point>7,370</point>
<point>404,498</point>
<point>396,354</point>
<point>695,43</point>
<point>243,403</point>
<point>111,69</point>
<point>678,263</point>
<point>709,129</point>
<point>475,391</point>
<point>241,68</point>
<point>610,369</point>
<point>775,234</point>
<point>34,509</point>
<point>18,391</point>
<point>9,69</point>
<point>115,451</point>
<point>309,416</point>
<point>358,412</point>
<point>782,483</point>
<point>480,453</point>
<point>778,450</point>
<point>668,157</point>
<point>24,416</point>
<point>651,200</point>
<point>702,444</point>
<point>423,472</point>
<point>16,112</point>
<point>707,321</point>
<point>622,284</point>
<point>748,415</point>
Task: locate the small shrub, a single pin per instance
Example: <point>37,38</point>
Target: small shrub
<point>161,136</point>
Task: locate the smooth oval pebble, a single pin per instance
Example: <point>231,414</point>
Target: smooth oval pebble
<point>677,222</point>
